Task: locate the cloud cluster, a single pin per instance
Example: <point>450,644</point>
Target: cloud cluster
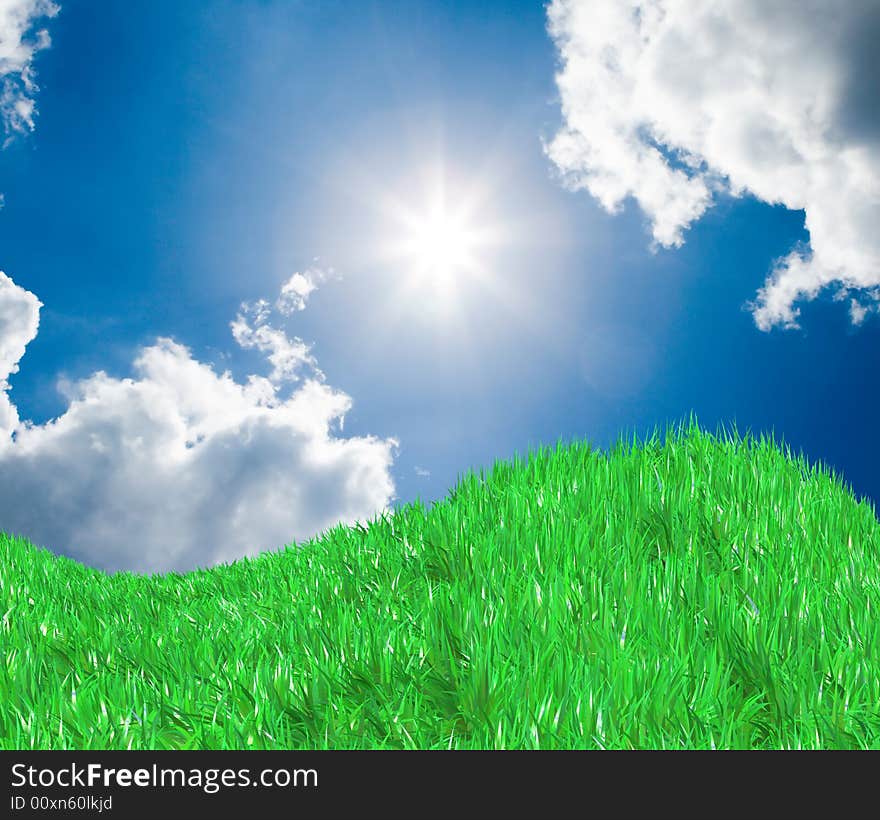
<point>671,102</point>
<point>251,329</point>
<point>18,44</point>
<point>181,466</point>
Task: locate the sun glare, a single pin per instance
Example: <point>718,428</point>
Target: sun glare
<point>442,247</point>
<point>441,243</point>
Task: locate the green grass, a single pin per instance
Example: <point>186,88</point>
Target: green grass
<point>689,591</point>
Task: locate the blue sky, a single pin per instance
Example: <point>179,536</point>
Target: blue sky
<point>187,158</point>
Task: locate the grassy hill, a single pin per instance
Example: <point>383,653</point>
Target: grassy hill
<point>693,591</point>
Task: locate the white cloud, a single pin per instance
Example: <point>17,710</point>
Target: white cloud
<point>19,320</point>
<point>857,312</point>
<point>295,291</point>
<point>670,102</point>
<point>287,356</point>
<point>252,330</point>
<point>19,42</point>
<point>421,472</point>
<point>181,466</point>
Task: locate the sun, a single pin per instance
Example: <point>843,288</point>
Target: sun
<point>440,243</point>
<point>442,247</point>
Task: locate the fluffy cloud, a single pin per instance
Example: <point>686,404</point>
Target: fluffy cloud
<point>670,102</point>
<point>295,291</point>
<point>181,466</point>
<point>251,329</point>
<point>19,320</point>
<point>18,44</point>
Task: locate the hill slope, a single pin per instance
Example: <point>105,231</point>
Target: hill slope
<point>697,592</point>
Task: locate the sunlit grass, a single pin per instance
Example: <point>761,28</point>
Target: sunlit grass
<point>689,591</point>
